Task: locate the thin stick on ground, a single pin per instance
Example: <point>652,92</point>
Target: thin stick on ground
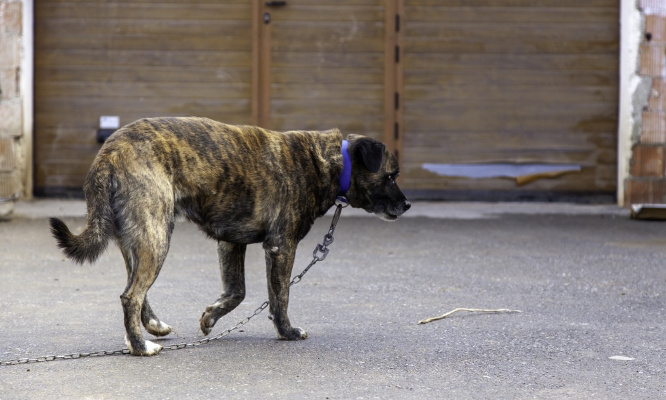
<point>499,310</point>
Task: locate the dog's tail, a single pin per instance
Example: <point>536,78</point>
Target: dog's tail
<point>92,242</point>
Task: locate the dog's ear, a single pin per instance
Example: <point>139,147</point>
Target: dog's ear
<point>370,152</point>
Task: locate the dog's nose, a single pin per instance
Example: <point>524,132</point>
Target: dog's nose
<point>408,205</point>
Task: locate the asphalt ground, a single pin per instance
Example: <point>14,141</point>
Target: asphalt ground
<point>590,283</point>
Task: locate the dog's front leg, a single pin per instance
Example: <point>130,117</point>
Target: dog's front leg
<point>279,262</point>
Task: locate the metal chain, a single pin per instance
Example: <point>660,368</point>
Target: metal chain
<point>319,254</point>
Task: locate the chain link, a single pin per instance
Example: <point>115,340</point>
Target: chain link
<point>319,254</point>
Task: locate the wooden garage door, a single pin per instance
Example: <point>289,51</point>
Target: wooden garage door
<point>131,59</point>
<point>299,64</point>
<point>323,65</point>
<point>491,85</point>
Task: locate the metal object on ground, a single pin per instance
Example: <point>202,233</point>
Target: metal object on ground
<point>648,211</point>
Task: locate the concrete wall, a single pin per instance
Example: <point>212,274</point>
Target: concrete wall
<point>15,102</point>
<point>642,126</point>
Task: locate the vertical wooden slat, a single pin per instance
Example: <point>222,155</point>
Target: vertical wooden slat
<point>393,52</point>
<point>389,72</point>
<point>256,57</point>
<point>261,66</point>
<point>399,80</point>
<point>265,66</point>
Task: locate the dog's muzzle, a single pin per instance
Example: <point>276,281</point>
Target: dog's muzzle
<point>394,212</point>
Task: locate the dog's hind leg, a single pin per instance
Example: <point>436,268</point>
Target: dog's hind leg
<point>145,247</point>
<point>232,269</point>
<point>146,262</point>
<point>149,319</point>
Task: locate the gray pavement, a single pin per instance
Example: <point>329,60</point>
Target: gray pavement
<point>589,281</point>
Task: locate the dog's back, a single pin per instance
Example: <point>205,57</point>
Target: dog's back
<point>230,180</point>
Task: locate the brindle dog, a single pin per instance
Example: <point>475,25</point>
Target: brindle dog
<point>240,185</point>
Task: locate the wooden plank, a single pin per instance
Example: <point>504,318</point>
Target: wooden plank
<point>576,182</point>
<point>115,89</point>
<point>464,120</point>
<point>366,76</point>
<point>81,130</point>
<point>582,182</point>
<point>347,107</point>
<point>510,78</point>
<point>77,154</point>
<point>508,140</point>
<point>68,178</point>
<point>340,3</point>
<point>587,179</point>
<point>514,3</point>
<point>368,127</point>
<point>460,151</point>
<point>339,93</point>
<point>198,3</point>
<point>323,37</point>
<point>552,96</point>
<point>69,150</point>
<point>483,156</point>
<point>140,27</point>
<point>58,109</point>
<point>174,41</point>
<point>497,31</point>
<point>63,172</point>
<point>327,13</point>
<point>111,74</point>
<point>528,14</point>
<point>194,3</point>
<point>495,61</point>
<point>470,108</point>
<point>118,58</point>
<point>516,155</point>
<point>137,11</point>
<point>521,38</point>
<point>84,128</point>
<point>328,60</point>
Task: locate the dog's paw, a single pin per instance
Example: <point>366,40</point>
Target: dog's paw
<point>158,328</point>
<point>206,323</point>
<point>293,334</point>
<point>149,348</point>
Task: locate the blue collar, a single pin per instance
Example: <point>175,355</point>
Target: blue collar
<point>345,176</point>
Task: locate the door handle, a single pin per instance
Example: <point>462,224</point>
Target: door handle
<point>276,3</point>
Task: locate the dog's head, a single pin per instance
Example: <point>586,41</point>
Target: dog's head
<point>373,179</point>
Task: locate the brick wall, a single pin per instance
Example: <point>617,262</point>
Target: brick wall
<point>10,103</point>
<point>647,175</point>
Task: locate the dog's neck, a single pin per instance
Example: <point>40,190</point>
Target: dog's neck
<point>345,176</point>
